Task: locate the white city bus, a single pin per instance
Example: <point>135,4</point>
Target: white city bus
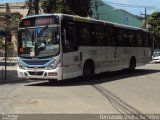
<point>60,46</point>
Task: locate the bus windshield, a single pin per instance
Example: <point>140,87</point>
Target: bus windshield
<point>38,42</point>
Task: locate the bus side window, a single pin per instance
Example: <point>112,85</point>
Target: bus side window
<point>122,38</point>
<point>145,39</point>
<point>97,35</point>
<point>69,37</point>
<point>110,36</point>
<point>139,39</point>
<point>84,34</point>
<point>131,38</point>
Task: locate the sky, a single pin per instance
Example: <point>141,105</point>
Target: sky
<point>152,5</point>
<point>11,1</point>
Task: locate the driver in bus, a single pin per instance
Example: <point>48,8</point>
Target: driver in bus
<point>23,39</point>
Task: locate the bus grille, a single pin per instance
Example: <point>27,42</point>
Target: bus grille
<point>36,62</point>
<point>36,73</point>
<point>36,67</point>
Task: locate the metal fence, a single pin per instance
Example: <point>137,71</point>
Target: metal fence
<point>10,53</point>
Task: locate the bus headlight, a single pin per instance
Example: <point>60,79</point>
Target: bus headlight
<point>21,65</point>
<point>53,65</point>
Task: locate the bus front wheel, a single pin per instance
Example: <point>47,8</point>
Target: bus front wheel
<point>88,70</point>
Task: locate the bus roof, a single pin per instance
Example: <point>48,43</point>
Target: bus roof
<point>89,20</point>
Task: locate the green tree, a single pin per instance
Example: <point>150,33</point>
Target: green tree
<point>75,7</point>
<point>62,6</point>
<point>9,45</point>
<point>81,7</point>
<point>49,6</point>
<point>154,21</point>
<point>1,43</point>
<point>2,23</point>
<point>15,18</point>
<point>12,26</point>
<point>13,22</point>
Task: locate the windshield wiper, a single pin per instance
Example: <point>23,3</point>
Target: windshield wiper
<point>41,32</point>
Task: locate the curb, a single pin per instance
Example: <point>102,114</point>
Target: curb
<point>10,81</point>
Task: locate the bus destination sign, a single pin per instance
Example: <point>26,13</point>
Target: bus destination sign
<point>44,21</point>
<point>38,21</point>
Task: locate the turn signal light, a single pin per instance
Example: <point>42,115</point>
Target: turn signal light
<point>52,74</point>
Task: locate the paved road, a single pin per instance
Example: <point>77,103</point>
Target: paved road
<point>113,92</point>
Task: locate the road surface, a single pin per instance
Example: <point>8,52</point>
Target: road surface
<point>109,93</point>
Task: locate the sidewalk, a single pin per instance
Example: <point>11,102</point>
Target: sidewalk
<point>11,73</point>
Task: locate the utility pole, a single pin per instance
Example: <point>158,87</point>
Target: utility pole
<point>96,8</point>
<point>7,34</point>
<point>145,17</point>
<point>30,5</point>
<point>33,7</point>
<point>36,6</point>
<point>97,4</point>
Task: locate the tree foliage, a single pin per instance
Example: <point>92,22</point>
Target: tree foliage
<point>154,21</point>
<point>75,7</point>
<point>13,21</point>
<point>1,43</point>
<point>12,25</point>
<point>15,18</point>
<point>9,45</point>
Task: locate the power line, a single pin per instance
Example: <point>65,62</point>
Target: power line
<point>128,5</point>
<point>133,6</point>
<point>96,4</point>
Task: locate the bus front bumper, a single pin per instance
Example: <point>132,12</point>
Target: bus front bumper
<point>40,74</point>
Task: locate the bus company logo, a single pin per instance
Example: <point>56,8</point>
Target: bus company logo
<point>35,68</point>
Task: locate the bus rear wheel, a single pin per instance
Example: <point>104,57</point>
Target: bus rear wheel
<point>88,70</point>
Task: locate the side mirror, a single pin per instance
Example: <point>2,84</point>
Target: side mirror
<point>65,34</point>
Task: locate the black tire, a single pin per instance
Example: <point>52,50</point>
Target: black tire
<point>88,71</point>
<point>132,65</point>
<point>53,81</point>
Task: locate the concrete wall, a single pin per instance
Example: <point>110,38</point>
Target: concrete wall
<point>22,11</point>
